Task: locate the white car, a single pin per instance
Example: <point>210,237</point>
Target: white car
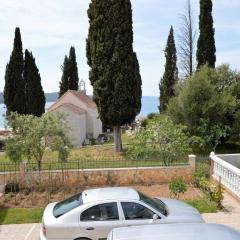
<point>186,231</point>
<point>92,214</point>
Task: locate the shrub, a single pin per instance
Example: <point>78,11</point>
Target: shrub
<point>161,139</point>
<point>217,195</point>
<point>11,187</point>
<point>213,190</point>
<point>177,186</point>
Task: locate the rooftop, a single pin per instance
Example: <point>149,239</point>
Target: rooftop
<point>112,193</point>
<point>69,106</point>
<point>84,98</point>
<point>73,106</point>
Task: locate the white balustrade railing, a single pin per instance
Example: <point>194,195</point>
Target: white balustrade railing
<point>227,173</point>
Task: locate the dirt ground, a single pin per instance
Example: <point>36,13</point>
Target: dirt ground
<point>41,199</point>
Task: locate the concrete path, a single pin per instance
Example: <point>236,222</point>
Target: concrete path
<point>20,231</point>
<point>229,216</point>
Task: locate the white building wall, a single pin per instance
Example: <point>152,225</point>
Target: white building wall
<point>76,125</point>
<point>89,123</point>
<point>96,123</point>
<point>83,124</point>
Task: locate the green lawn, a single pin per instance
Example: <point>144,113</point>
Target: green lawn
<point>20,215</point>
<point>203,205</point>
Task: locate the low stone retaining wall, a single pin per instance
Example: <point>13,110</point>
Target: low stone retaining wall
<point>102,177</point>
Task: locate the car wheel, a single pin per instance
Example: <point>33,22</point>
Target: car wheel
<point>82,239</point>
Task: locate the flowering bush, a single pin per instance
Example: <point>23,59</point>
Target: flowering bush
<point>161,139</point>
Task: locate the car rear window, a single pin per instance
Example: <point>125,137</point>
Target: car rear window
<point>67,205</point>
<point>156,204</point>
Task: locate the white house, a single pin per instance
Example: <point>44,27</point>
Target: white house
<point>81,115</point>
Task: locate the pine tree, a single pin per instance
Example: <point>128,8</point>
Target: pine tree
<point>73,70</point>
<point>35,99</point>
<point>63,85</point>
<point>206,50</point>
<point>114,72</point>
<point>14,90</point>
<point>170,76</point>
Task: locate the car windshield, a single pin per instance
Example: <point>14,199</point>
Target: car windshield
<point>67,205</point>
<point>156,204</point>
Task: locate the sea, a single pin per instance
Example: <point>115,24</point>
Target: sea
<point>149,105</point>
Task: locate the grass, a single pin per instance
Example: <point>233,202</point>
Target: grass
<point>20,215</point>
<point>204,205</point>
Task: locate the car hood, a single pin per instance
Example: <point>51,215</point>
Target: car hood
<point>179,211</point>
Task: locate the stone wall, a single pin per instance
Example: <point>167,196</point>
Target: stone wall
<point>102,177</point>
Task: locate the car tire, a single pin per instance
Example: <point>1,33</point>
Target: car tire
<point>82,239</point>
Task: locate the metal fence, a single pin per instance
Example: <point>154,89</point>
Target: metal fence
<point>87,164</point>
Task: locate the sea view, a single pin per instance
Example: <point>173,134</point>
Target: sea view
<point>149,105</point>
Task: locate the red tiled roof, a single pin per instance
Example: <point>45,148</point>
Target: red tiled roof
<point>84,98</point>
<point>69,106</point>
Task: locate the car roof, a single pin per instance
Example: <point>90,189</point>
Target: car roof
<point>186,231</point>
<point>110,193</point>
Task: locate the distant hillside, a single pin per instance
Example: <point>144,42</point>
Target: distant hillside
<point>50,97</point>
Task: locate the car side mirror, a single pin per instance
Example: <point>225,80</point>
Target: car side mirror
<point>155,217</point>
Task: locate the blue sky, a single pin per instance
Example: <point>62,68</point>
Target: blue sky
<point>50,27</point>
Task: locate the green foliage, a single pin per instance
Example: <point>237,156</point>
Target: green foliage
<point>217,196</point>
<point>225,78</point>
<point>114,73</point>
<point>35,99</point>
<point>161,138</point>
<point>145,121</point>
<point>70,79</point>
<point>206,50</point>
<point>14,89</point>
<point>63,84</point>
<point>33,135</point>
<point>14,150</point>
<point>73,74</point>
<point>151,115</point>
<point>170,76</point>
<point>215,132</point>
<point>203,109</point>
<point>212,189</point>
<point>177,186</point>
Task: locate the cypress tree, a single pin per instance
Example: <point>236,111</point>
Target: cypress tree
<point>70,78</point>
<point>63,85</point>
<point>35,99</point>
<point>114,73</point>
<point>170,76</point>
<point>73,70</point>
<point>206,50</point>
<point>14,89</point>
